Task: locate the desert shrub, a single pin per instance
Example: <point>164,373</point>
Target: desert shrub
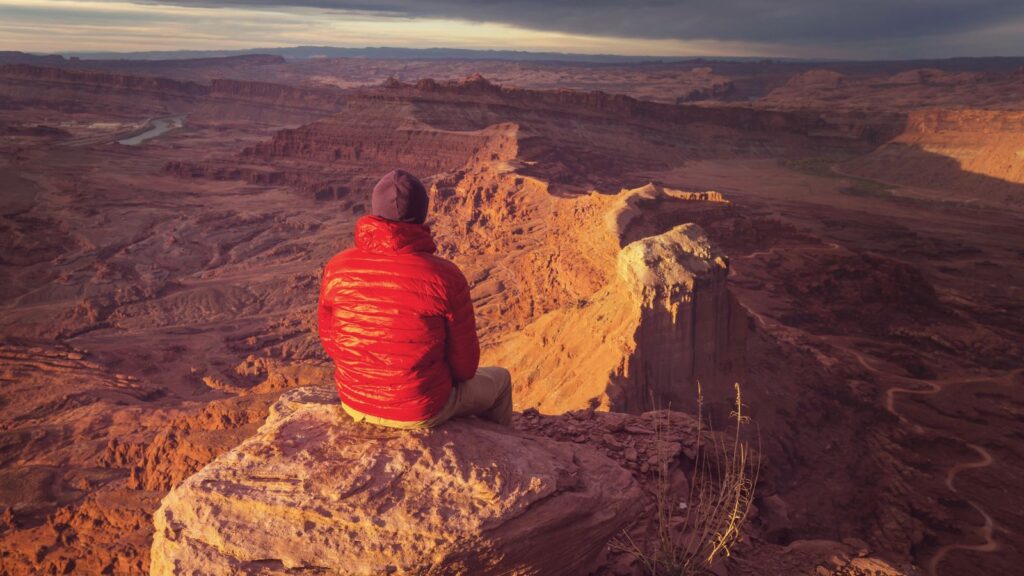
<point>691,535</point>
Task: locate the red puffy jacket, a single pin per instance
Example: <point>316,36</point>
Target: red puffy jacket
<point>397,321</point>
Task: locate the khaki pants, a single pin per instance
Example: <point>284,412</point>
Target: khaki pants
<point>488,395</point>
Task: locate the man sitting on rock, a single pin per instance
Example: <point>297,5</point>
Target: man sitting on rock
<point>398,322</point>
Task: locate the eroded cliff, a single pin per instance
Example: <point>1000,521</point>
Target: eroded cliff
<point>120,95</point>
<point>973,155</point>
<point>662,320</point>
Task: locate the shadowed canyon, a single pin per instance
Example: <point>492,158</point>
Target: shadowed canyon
<point>844,241</point>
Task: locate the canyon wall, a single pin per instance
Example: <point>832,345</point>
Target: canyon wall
<point>477,89</point>
<point>124,95</point>
<point>572,141</point>
<point>381,136</point>
<point>890,98</point>
<point>663,320</point>
<point>976,154</point>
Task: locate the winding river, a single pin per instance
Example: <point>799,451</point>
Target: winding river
<point>157,127</point>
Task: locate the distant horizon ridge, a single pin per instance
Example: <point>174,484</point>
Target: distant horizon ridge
<point>306,52</point>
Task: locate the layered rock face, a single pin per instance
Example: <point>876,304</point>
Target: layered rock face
<point>664,318</point>
<point>690,329</point>
<point>340,157</point>
<point>656,115</point>
<point>975,154</point>
<point>572,140</point>
<point>25,85</point>
<point>904,92</point>
<point>314,492</point>
<point>382,139</point>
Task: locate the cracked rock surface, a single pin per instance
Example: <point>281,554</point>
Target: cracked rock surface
<point>313,492</point>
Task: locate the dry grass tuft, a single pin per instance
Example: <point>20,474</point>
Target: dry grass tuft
<point>691,535</point>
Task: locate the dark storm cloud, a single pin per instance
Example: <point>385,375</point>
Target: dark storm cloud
<point>779,21</point>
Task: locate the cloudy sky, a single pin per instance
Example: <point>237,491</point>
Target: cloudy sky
<point>788,28</point>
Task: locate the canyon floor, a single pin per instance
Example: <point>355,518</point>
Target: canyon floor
<point>868,223</point>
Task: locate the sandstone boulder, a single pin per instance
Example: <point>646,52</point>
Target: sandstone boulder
<point>313,492</point>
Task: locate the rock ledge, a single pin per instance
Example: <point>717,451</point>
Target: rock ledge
<point>314,493</point>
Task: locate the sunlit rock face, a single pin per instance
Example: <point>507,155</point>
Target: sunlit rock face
<point>313,491</point>
<point>972,154</point>
<point>663,320</point>
<point>690,329</point>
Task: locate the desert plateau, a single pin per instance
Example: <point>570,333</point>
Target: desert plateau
<point>840,242</point>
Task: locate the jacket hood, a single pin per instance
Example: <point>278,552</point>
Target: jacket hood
<point>379,235</point>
